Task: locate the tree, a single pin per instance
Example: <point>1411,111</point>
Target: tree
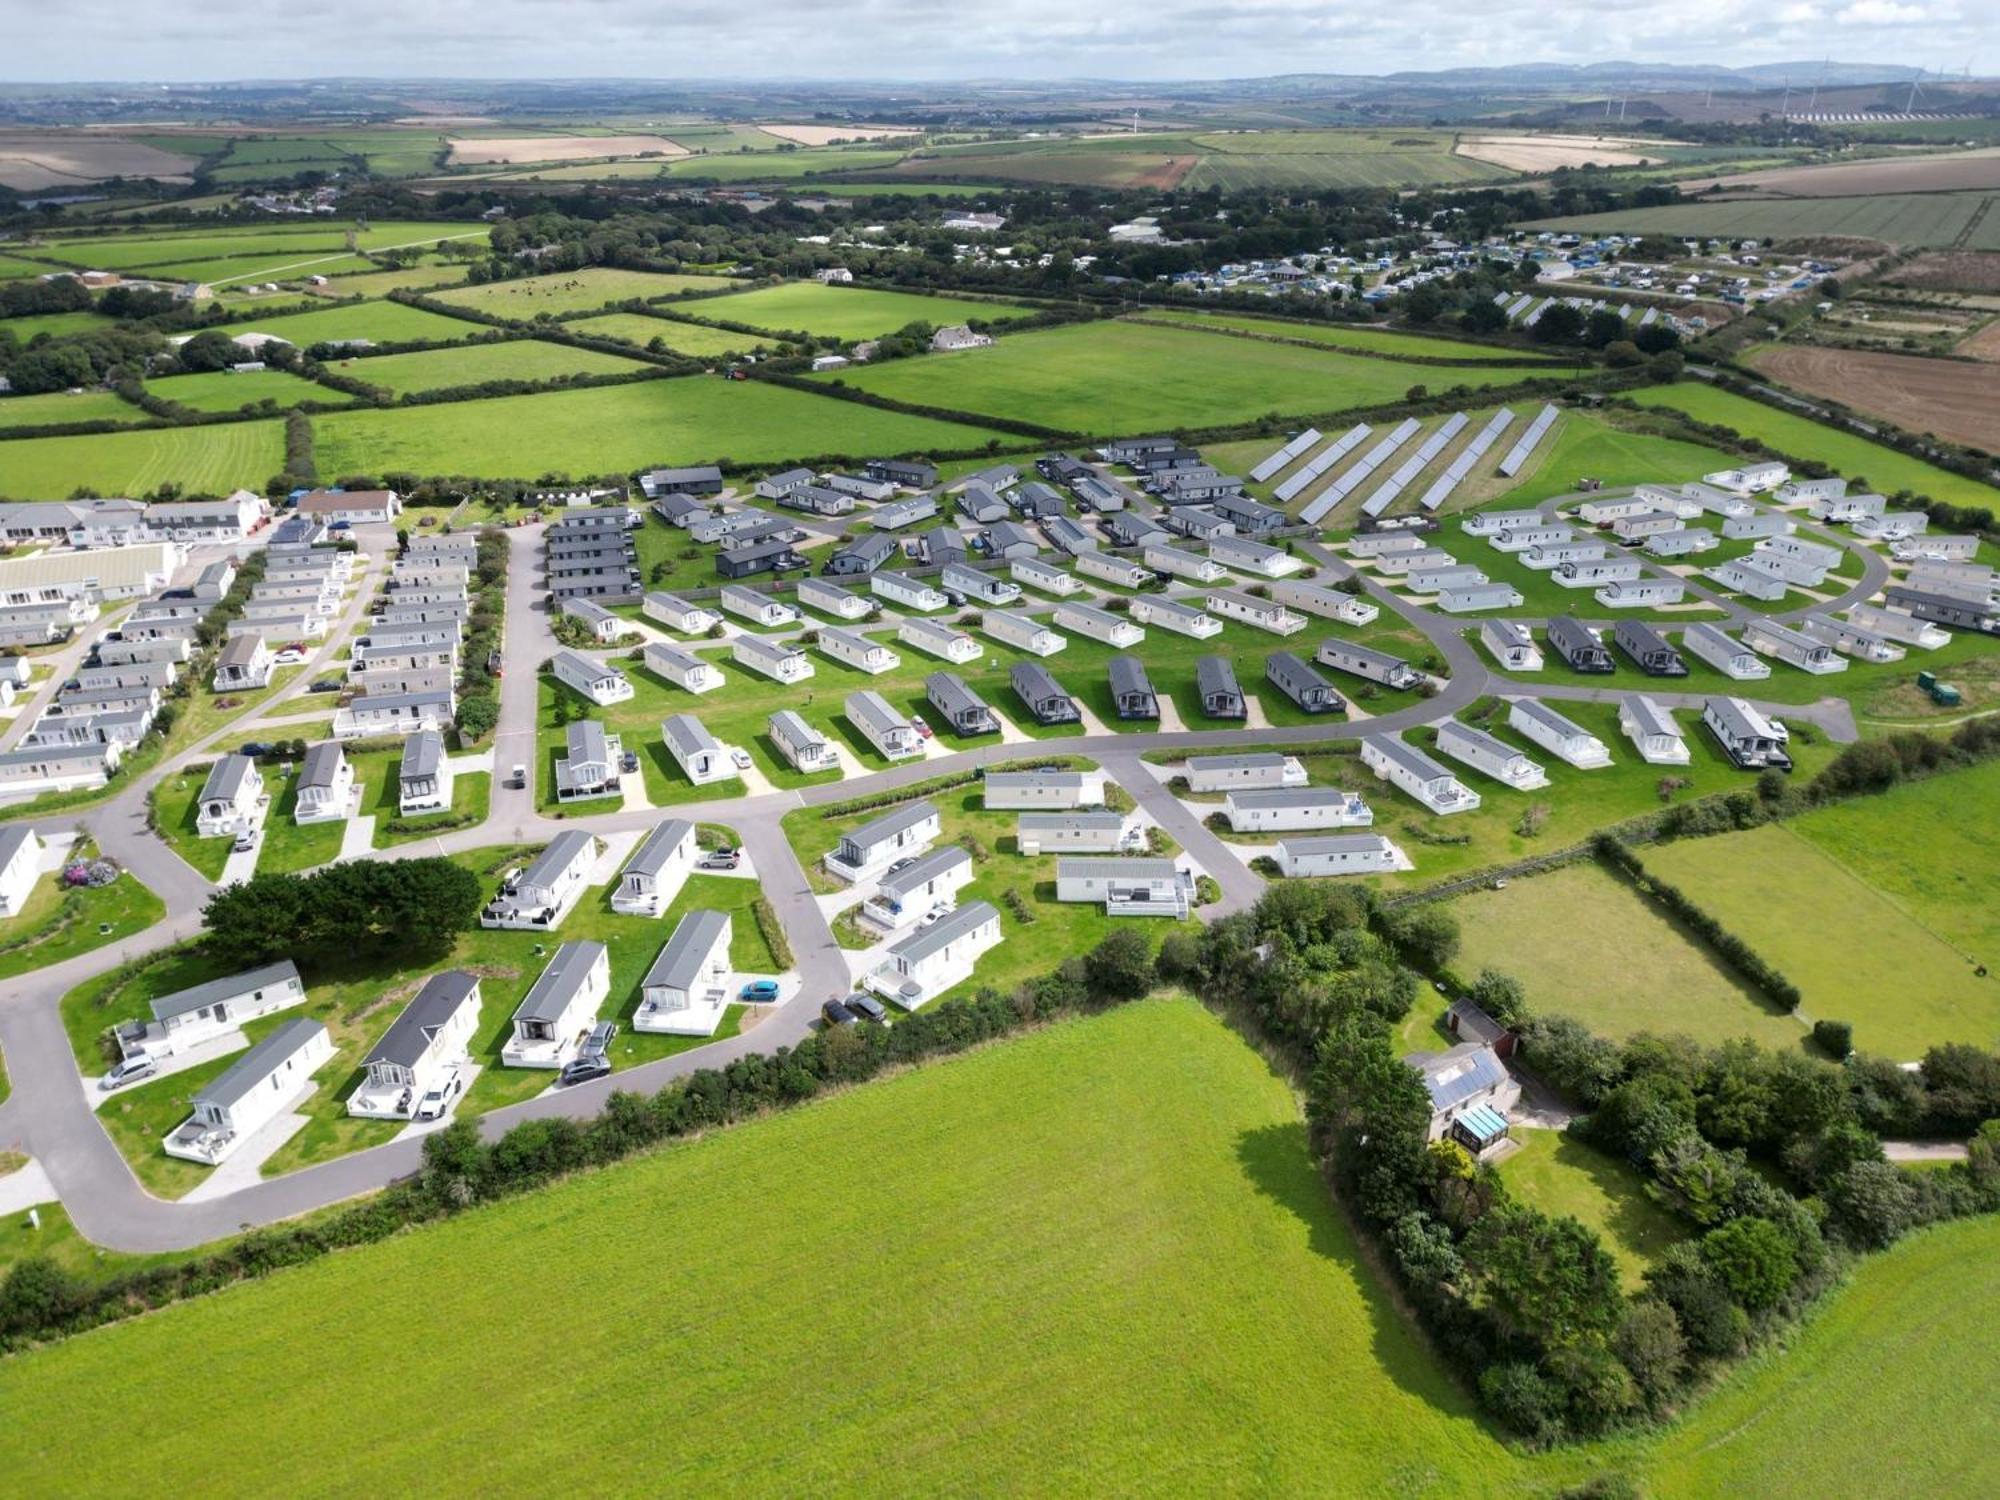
<point>36,1293</point>
<point>1549,1280</point>
<point>211,349</point>
<point>1484,316</point>
<point>1520,1396</point>
<point>1873,1204</point>
<point>1500,996</point>
<point>1121,966</point>
<point>1623,354</point>
<point>1650,1342</point>
<point>1427,933</point>
<point>1602,327</point>
<point>1753,1258</point>
<point>1654,338</point>
<point>1834,1038</point>
<point>1559,324</point>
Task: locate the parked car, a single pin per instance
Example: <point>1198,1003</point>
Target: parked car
<point>131,1070</point>
<point>837,1014</point>
<point>740,757</point>
<point>600,1037</point>
<point>867,1007</point>
<point>256,749</point>
<point>720,859</point>
<point>245,842</point>
<point>325,685</point>
<point>436,1101</point>
<point>760,991</point>
<point>291,656</point>
<point>583,1069</point>
<point>629,762</point>
<point>922,727</point>
<point>942,909</point>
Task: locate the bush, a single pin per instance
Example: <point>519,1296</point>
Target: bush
<point>1834,1038</point>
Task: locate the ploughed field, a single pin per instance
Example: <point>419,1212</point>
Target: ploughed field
<point>1946,398</point>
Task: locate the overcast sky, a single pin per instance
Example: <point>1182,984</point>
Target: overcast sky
<point>947,39</point>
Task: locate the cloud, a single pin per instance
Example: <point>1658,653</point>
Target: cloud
<point>1882,13</point>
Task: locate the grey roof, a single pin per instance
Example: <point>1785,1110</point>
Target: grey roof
<point>577,662</point>
<point>950,687</point>
<point>1459,1074</point>
<point>688,735</point>
<point>1287,796</point>
<point>1034,682</point>
<point>651,856</point>
<point>227,776</point>
<point>1145,870</point>
<point>1214,674</point>
<point>1567,635</point>
<point>668,654</point>
<point>256,1065</point>
<point>562,852</point>
<point>674,604</point>
<point>584,740</point>
<point>682,959</point>
<point>1034,778</point>
<point>1651,717</point>
<point>1356,652</point>
<point>1539,711</point>
<point>923,943</point>
<point>871,546</point>
<point>897,820</point>
<point>793,730</point>
<point>871,711</point>
<point>925,869</point>
<point>586,609</point>
<point>1735,720</point>
<point>1235,762</point>
<point>1509,632</point>
<point>11,840</point>
<point>1406,755</point>
<point>1128,675</point>
<point>1335,843</point>
<point>410,1035</point>
<point>766,649</point>
<point>549,997</point>
<point>1051,822</point>
<point>423,754</point>
<point>241,651</point>
<point>1452,731</point>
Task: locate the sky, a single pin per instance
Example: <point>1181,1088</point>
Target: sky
<point>187,40</point>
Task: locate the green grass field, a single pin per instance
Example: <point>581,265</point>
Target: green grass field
<point>377,283</point>
<point>573,291</point>
<point>1349,336</point>
<point>783,166</point>
<point>1585,944</point>
<point>54,924</point>
<point>517,359</point>
<point>1561,1176</point>
<point>61,406</point>
<point>1854,955</point>
<point>227,390</point>
<point>287,846</point>
<point>212,460</point>
<point>621,427</point>
<point>175,802</point>
<point>381,322</point>
<point>36,324</point>
<point>1589,447</point>
<point>844,312</point>
<point>1847,453</point>
<point>1115,377</point>
<point>692,339</point>
<point>1054,1308</point>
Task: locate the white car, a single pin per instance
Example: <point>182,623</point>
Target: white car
<point>436,1101</point>
<point>131,1070</point>
<point>741,758</point>
<point>291,656</point>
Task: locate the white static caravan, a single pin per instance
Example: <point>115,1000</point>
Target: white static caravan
<point>1181,564</point>
<point>422,1052</point>
<point>1935,549</point>
<point>559,1008</point>
<point>935,638</point>
<point>1756,525</point>
<point>1471,598</point>
<point>1552,555</point>
<point>258,1087</point>
<point>758,608</point>
<point>905,592</point>
<point>539,897</point>
<point>878,843</point>
<point>832,599</point>
<point>1493,522</point>
<point>601,683</point>
<point>1592,575</point>
<point>1367,663</point>
<point>893,736</point>
<point>698,753</point>
<point>1338,854</point>
<point>1899,625</point>
<point>1285,809</point>
<point>188,1018</point>
<point>1327,603</point>
<point>1437,580</point>
<point>1496,758</point>
<point>808,751</point>
<point>853,649</point>
<point>1646,523</point>
<point>928,883</point>
<point>685,991</point>
<point>1857,641</point>
<point>978,586</point>
<point>1641,593</point>
<point>1079,832</point>
<point>654,874</point>
<point>1171,614</point>
<point>1225,773</point>
<point>1682,541</point>
<point>1652,731</point>
<point>1521,538</point>
<point>1260,558</point>
<point>1512,644</point>
<point>1724,652</point>
<point>1558,735</point>
<point>932,959</point>
<point>781,661</point>
<point>1098,625</point>
<point>1398,564</point>
<point>1265,614</point>
<point>1384,543</point>
<point>1026,791</point>
<point>1410,770</point>
<point>682,668</point>
<point>1793,647</point>
<point>1121,571</point>
<point>1022,633</point>
<point>1604,512</point>
<point>1042,576</point>
<point>1746,575</point>
<point>1127,887</point>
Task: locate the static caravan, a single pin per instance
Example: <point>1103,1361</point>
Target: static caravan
<point>1605,570</point>
<point>412,1067</point>
<point>1722,651</point>
<point>1471,598</point>
<point>1641,593</point>
<point>978,587</point>
<point>893,736</point>
<point>1328,603</point>
<point>1604,512</point>
<point>1935,549</point>
<point>685,991</point>
<point>1171,614</point>
<point>935,638</point>
<point>1651,729</point>
<point>191,1017</point>
<point>1494,757</point>
<point>258,1087</point>
<point>1383,543</point>
<point>541,895</point>
<point>1899,625</point>
<point>832,599</point>
<point>1437,580</point>
<point>963,710</point>
<point>758,608</point>
<point>1512,645</point>
<point>1098,625</point>
<point>1043,695</point>
<point>682,668</point>
<point>1283,809</point>
<point>1127,887</point>
<point>1225,773</point>
<point>1338,854</point>
<point>781,661</point>
<point>1173,560</point>
<point>1683,541</point>
<point>560,1007</point>
<point>1793,647</point>
<point>697,752</point>
<point>878,843</point>
<point>1132,690</point>
<point>1649,649</point>
<point>1253,557</point>
<point>1755,525</point>
<point>905,592</point>
<point>808,751</point>
<point>853,649</point>
<point>1521,538</point>
<point>1751,741</point>
<point>933,959</point>
<point>589,766</point>
<point>325,789</point>
<point>1410,770</point>
<point>1816,554</point>
<point>654,874</point>
<point>1215,682</point>
<point>1944,609</point>
<point>600,683</point>
<point>1843,635</point>
<point>1552,555</point>
<point>1367,663</point>
<point>1121,571</point>
<point>1017,791</point>
<point>1578,646</point>
<point>424,775</point>
<point>1037,833</point>
<point>1022,633</point>
<point>1747,575</point>
<point>1293,677</point>
<point>1045,577</point>
<point>1561,736</point>
<point>1399,564</point>
<point>1892,525</point>
<point>1646,523</point>
<point>931,882</point>
<point>1265,614</point>
<point>1494,522</point>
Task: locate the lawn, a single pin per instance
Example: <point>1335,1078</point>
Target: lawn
<point>696,340</point>
<point>574,291</point>
<point>1846,453</point>
<point>176,800</point>
<point>621,427</point>
<point>1855,955</point>
<point>782,166</point>
<point>1116,377</point>
<point>55,924</point>
<point>846,313</point>
<point>224,390</point>
<point>287,846</point>
<point>62,406</point>
<point>380,322</point>
<point>1054,1308</point>
<point>375,774</point>
<point>1350,336</point>
<point>1562,1176</point>
<point>517,359</point>
<point>1585,944</point>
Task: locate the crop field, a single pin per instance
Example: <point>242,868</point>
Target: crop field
<point>1562,1176</point>
<point>694,420</point>
<point>61,406</point>
<point>1847,453</point>
<point>517,359</point>
<point>584,290</point>
<point>228,390</point>
<point>1585,944</point>
<point>783,166</point>
<point>696,340</point>
<point>213,459</point>
<point>1920,220</point>
<point>1945,398</point>
<point>847,313</point>
<point>380,322</point>
<point>624,170</point>
<point>1346,336</point>
<point>34,160</point>
<point>1548,153</point>
<point>1855,955</point>
<point>1942,172</point>
<point>491,150</point>
<point>1106,378</point>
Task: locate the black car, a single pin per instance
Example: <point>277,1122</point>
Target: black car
<point>867,1007</point>
<point>837,1014</point>
<point>255,749</point>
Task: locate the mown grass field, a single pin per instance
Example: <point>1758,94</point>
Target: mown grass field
<point>1346,336</point>
<point>573,291</point>
<point>1561,1176</point>
<point>517,359</point>
<point>378,283</point>
<point>692,339</point>
<point>34,324</point>
<point>622,427</point>
<point>1585,944</point>
<point>1854,955</point>
<point>61,406</point>
<point>1116,377</point>
<point>1055,1310</point>
<point>845,312</point>
<point>1847,453</point>
<point>55,924</point>
<point>226,390</point>
<point>1582,447</point>
<point>214,459</point>
<point>381,322</point>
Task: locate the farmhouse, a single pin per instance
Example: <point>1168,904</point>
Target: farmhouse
<point>1042,694</point>
<point>1750,576</point>
<point>1512,645</point>
<point>258,1087</point>
<point>677,614</point>
<point>697,752</point>
<point>682,668</point>
<point>1338,854</point>
<point>1648,649</point>
<point>1171,614</point>
<point>1094,832</point>
<point>1215,684</point>
<point>1328,603</point>
<point>893,736</point>
<point>653,876</point>
<point>1470,1091</point>
<point>423,775</point>
<point>600,683</point>
<point>1127,887</point>
<point>963,710</point>
<point>876,844</point>
<point>1723,652</point>
<point>1483,752</point>
<point>1749,739</point>
<point>1031,790</point>
<point>1651,728</point>
<point>1279,809</point>
<point>1226,773</point>
<point>425,1047</point>
<point>560,1007</point>
<point>1406,767</point>
<point>685,992</point>
<point>1131,689</point>
<point>899,589</point>
<point>757,607</point>
<point>931,960</point>
<point>781,661</point>
<point>936,638</point>
<point>1858,642</point>
<point>1022,633</point>
<point>231,798</point>
<point>1293,677</point>
<point>924,885</point>
<point>1098,625</point>
<point>1123,572</point>
<point>1793,647</point>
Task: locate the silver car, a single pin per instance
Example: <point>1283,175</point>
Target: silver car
<point>131,1070</point>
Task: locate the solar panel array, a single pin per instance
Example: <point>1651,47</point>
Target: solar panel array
<point>1321,461</point>
<point>1518,454</point>
<point>1461,466</point>
<point>1518,306</point>
<point>1349,482</point>
<point>1540,307</point>
<point>1285,455</point>
<point>1411,467</point>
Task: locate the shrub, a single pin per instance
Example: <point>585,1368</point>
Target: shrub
<point>1018,904</point>
<point>1834,1038</point>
